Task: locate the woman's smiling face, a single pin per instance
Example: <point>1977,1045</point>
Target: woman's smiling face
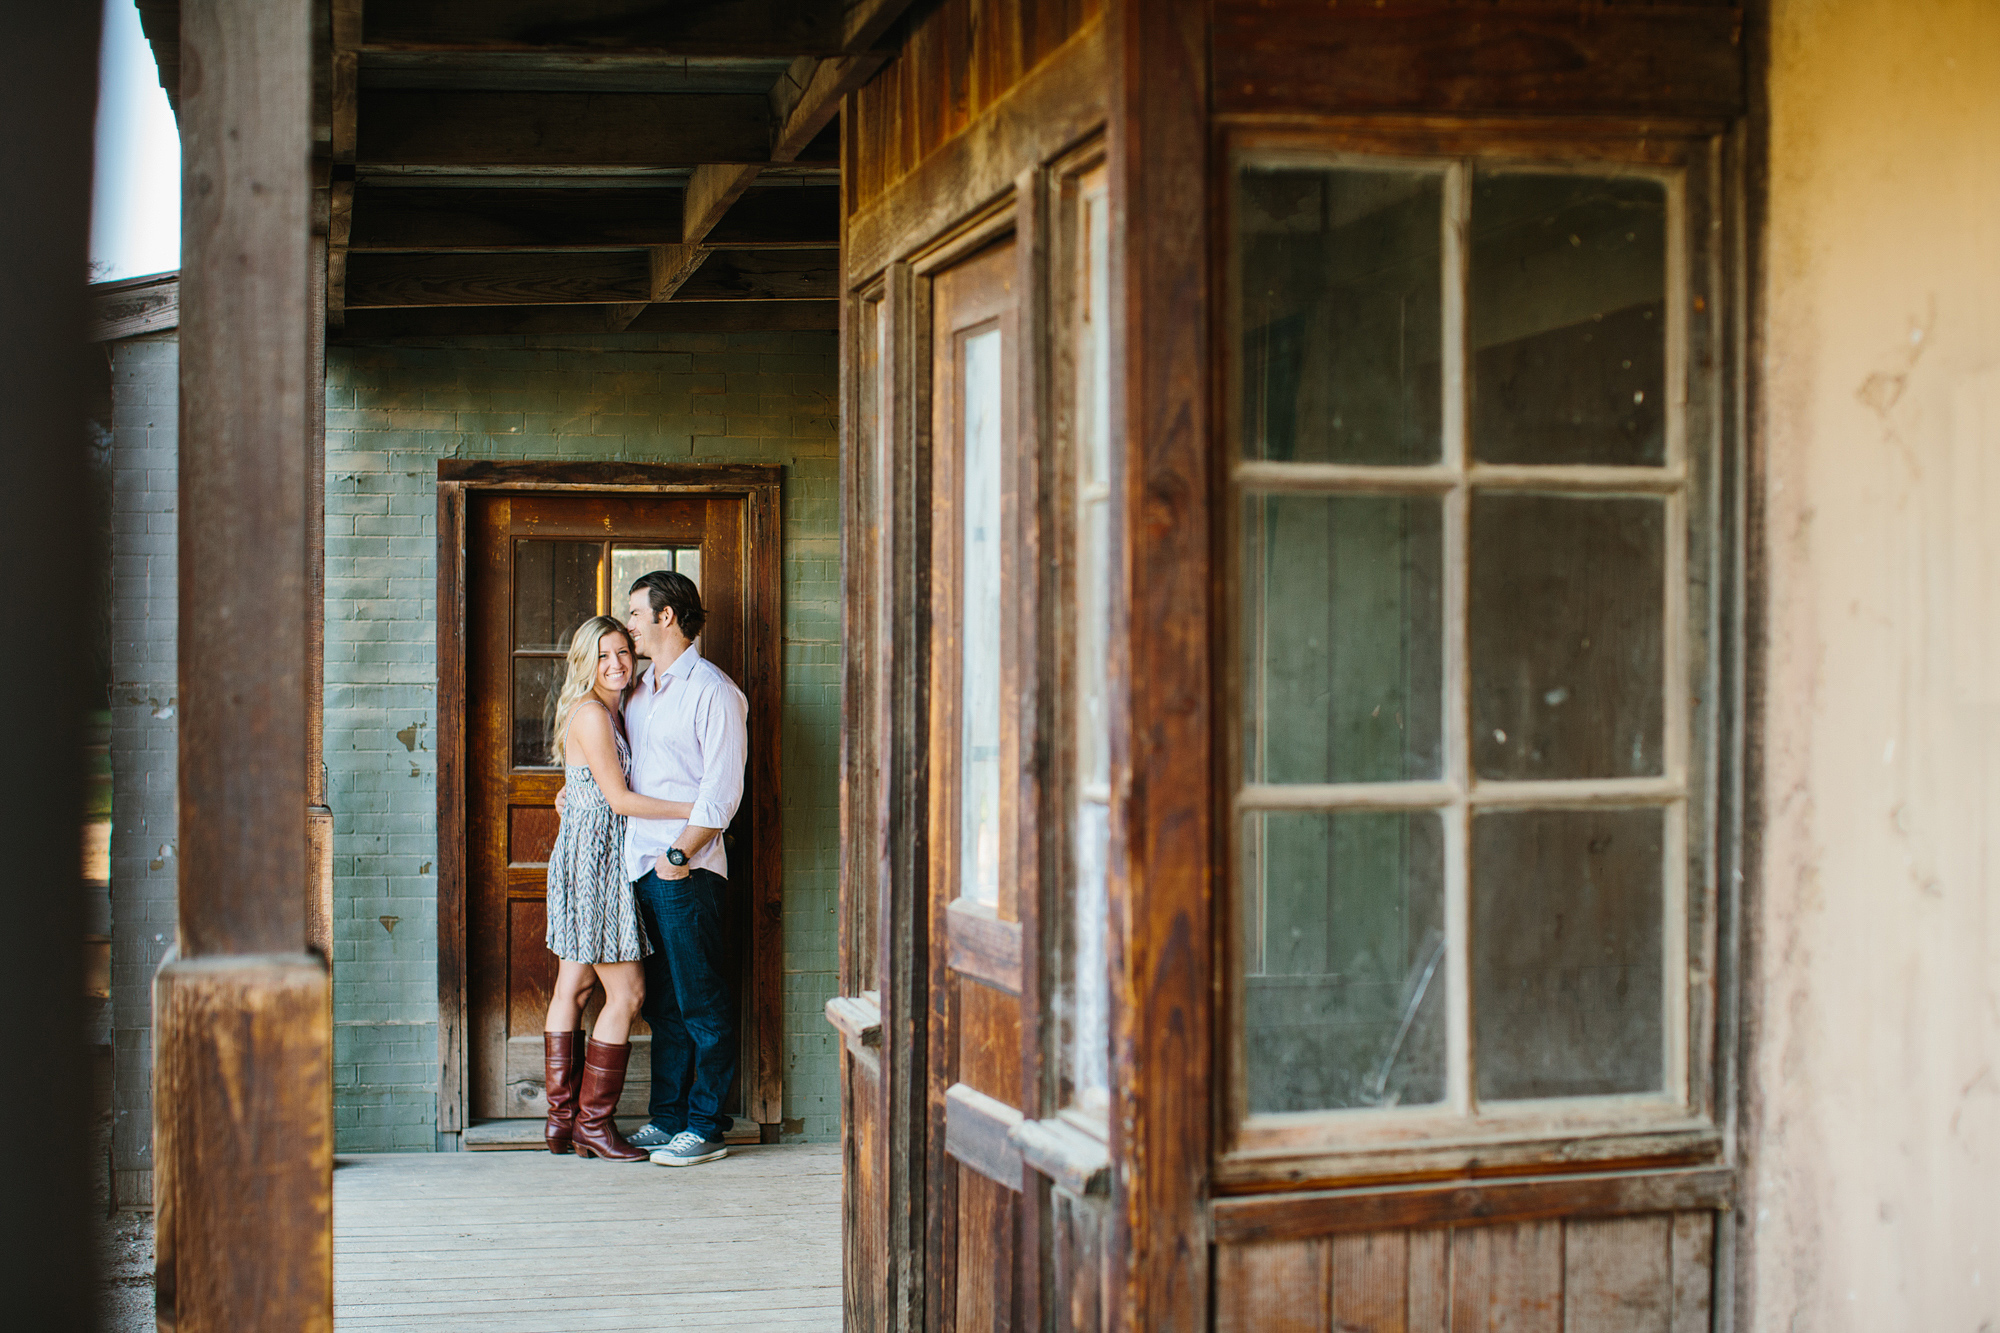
<point>614,662</point>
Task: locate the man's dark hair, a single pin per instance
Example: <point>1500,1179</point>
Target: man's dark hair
<point>664,588</point>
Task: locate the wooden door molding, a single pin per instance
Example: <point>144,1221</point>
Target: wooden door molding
<point>763,683</point>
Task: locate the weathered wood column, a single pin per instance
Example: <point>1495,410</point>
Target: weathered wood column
<point>242,1042</point>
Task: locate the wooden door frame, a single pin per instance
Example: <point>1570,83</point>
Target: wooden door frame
<point>763,669</point>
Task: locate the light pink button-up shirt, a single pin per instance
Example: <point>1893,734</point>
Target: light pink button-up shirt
<point>689,742</point>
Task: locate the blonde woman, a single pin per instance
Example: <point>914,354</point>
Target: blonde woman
<point>593,925</point>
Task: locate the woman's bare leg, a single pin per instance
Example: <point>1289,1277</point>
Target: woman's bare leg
<point>624,988</point>
<point>573,983</point>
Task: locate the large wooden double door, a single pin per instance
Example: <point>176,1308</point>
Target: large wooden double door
<point>538,565</point>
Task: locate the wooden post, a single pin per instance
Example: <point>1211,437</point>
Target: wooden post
<point>1162,760</point>
<point>242,1101</point>
<point>46,541</point>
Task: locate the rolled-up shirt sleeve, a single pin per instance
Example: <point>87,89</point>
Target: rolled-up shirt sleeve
<point>722,733</point>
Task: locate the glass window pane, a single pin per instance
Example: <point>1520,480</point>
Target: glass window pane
<point>1568,613</point>
<point>555,590</point>
<point>1342,638</point>
<point>1344,978</point>
<point>979,639</point>
<point>1090,1020</point>
<point>536,681</point>
<point>1567,314</point>
<point>1341,314</point>
<point>1566,953</point>
<point>630,563</point>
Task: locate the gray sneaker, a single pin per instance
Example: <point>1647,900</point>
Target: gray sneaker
<point>689,1149</point>
<point>652,1136</point>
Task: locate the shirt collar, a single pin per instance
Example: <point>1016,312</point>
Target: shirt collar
<point>684,665</point>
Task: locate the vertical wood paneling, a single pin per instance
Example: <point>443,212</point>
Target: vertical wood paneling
<point>958,57</point>
<point>1644,1274</point>
<point>1273,1287</point>
<point>1615,1276</point>
<point>1507,1279</point>
<point>1430,1281</point>
<point>1371,1282</point>
<point>1692,1271</point>
<point>1077,1261</point>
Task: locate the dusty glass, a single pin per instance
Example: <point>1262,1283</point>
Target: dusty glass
<point>555,590</point>
<point>1342,638</point>
<point>1567,636</point>
<point>1567,319</point>
<point>1340,313</point>
<point>1344,976</point>
<point>979,616</point>
<point>1567,933</point>
<point>536,683</point>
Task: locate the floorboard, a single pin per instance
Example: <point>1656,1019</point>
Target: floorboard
<point>521,1242</point>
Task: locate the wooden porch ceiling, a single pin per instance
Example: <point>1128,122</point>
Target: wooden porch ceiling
<point>577,165</point>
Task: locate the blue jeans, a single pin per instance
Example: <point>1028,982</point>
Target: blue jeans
<point>689,1004</point>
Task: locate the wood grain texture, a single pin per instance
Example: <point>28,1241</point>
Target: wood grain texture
<point>1298,57</point>
<point>444,1243</point>
<point>1507,1279</point>
<point>1076,1262</point>
<point>1429,1310</point>
<point>1370,1282</point>
<point>1059,103</point>
<point>405,128</point>
<point>957,60</point>
<point>976,1133</point>
<point>1616,1276</point>
<point>377,280</point>
<point>720,27</point>
<point>1693,1271</point>
<point>243,1143</point>
<point>451,848</point>
<point>1162,763</point>
<point>765,275</point>
<point>1272,1288</point>
<point>666,317</point>
<point>490,473</point>
<point>980,945</point>
<point>1330,1212</point>
<point>134,306</point>
<point>244,427</point>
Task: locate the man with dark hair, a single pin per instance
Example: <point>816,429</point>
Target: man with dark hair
<point>686,723</point>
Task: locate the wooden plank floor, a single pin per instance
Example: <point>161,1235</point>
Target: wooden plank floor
<point>516,1242</point>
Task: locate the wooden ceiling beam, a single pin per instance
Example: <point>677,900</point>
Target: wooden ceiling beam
<point>666,317</point>
<point>632,277</point>
<point>421,218</point>
<point>714,27</point>
<point>541,131</point>
<point>389,280</point>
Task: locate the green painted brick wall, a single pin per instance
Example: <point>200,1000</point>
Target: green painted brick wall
<point>393,410</point>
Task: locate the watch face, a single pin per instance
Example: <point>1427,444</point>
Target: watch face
<point>676,856</point>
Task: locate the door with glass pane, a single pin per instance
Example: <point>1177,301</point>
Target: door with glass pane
<point>538,566</point>
<point>975,1046</point>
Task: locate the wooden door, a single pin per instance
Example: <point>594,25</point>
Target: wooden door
<point>974,1230</point>
<point>538,565</point>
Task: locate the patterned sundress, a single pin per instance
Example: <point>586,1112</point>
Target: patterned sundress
<point>592,918</point>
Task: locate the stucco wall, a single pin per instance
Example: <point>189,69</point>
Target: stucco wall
<point>393,411</point>
<point>1874,1198</point>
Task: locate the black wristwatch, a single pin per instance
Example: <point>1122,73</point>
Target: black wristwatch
<point>676,857</point>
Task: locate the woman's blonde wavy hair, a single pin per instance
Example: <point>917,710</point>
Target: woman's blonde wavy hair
<point>582,676</point>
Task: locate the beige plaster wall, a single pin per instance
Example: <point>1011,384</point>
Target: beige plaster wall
<point>1874,1198</point>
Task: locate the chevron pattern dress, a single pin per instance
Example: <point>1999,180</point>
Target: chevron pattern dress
<point>592,918</point>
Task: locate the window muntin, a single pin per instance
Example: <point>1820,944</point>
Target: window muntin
<point>1498,917</point>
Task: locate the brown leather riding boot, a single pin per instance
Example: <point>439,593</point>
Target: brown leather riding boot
<point>596,1133</point>
<point>562,1061</point>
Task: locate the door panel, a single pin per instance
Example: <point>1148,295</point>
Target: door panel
<point>974,925</point>
<point>539,565</point>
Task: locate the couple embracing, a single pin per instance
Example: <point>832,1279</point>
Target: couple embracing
<point>638,878</point>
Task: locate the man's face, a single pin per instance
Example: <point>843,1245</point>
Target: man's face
<point>646,629</point>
